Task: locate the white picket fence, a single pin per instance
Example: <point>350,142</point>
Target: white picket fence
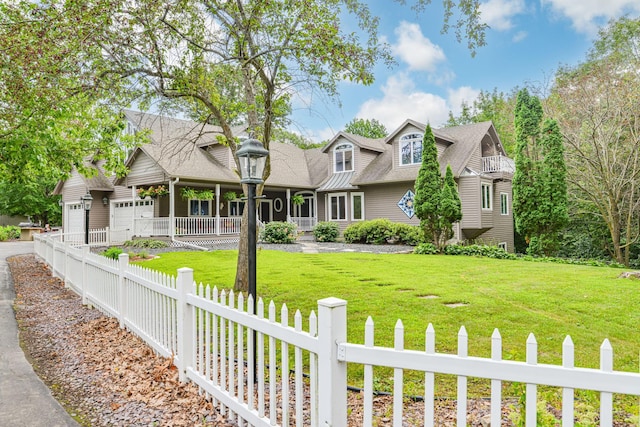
<point>212,337</point>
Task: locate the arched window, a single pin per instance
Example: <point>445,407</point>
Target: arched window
<point>343,158</point>
<point>411,149</point>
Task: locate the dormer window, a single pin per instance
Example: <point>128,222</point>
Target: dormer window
<point>411,149</point>
<point>343,158</point>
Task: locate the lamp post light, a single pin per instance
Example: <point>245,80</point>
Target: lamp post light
<point>252,157</point>
<point>86,204</point>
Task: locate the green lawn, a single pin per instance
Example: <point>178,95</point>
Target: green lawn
<point>517,297</point>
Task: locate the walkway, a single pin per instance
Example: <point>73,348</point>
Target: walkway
<point>25,401</point>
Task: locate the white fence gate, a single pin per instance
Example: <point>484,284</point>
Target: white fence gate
<point>213,337</point>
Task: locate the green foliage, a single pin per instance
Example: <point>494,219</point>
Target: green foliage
<point>369,128</point>
<point>380,231</point>
<point>112,252</point>
<point>10,232</point>
<point>31,198</point>
<point>297,199</point>
<point>293,138</point>
<point>326,231</point>
<point>189,193</point>
<point>230,196</point>
<point>279,232</point>
<point>436,203</point>
<point>539,183</point>
<point>426,249</point>
<point>146,243</point>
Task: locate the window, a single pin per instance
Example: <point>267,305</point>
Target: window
<point>338,207</point>
<point>411,149</point>
<point>503,245</point>
<point>343,158</point>
<point>199,207</point>
<point>236,207</point>
<point>504,204</point>
<point>487,196</point>
<point>357,206</point>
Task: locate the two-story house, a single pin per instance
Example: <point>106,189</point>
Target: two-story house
<point>351,179</point>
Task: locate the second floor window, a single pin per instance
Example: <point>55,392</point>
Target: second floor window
<point>411,149</point>
<point>343,158</point>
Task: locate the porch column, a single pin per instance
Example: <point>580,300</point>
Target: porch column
<point>288,205</point>
<point>172,209</point>
<point>217,202</point>
<point>133,211</point>
<point>315,208</point>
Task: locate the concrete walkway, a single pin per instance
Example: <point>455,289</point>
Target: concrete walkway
<point>25,401</point>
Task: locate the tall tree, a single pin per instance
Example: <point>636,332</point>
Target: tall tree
<point>597,104</point>
<point>539,182</point>
<point>436,201</point>
<point>369,128</point>
<point>230,62</point>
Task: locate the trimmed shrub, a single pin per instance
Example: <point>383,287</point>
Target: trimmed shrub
<point>326,231</point>
<point>279,232</point>
<point>146,244</point>
<point>112,253</point>
<point>380,231</point>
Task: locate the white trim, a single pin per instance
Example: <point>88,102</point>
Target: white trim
<point>343,148</point>
<point>504,207</point>
<point>503,245</point>
<point>277,204</point>
<point>337,195</point>
<point>353,205</point>
<point>411,137</point>
<point>489,196</point>
<point>208,214</point>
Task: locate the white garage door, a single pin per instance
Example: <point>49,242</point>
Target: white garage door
<point>74,219</point>
<point>122,216</point>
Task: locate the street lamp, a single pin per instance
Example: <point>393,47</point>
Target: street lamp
<point>86,204</point>
<point>252,157</point>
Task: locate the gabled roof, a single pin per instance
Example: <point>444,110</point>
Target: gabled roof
<point>174,147</point>
<point>462,140</point>
<point>376,145</point>
<point>97,182</point>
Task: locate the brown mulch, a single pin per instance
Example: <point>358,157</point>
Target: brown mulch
<point>106,376</point>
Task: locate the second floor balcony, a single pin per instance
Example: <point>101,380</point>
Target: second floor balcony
<point>496,164</point>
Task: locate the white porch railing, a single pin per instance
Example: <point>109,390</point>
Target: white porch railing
<point>209,334</point>
<point>304,223</point>
<point>498,164</point>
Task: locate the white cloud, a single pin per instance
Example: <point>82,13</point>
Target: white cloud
<point>401,101</point>
<point>498,13</point>
<point>464,94</point>
<point>587,15</point>
<point>519,36</point>
<point>415,49</point>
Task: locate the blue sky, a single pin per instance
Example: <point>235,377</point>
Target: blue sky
<point>526,42</point>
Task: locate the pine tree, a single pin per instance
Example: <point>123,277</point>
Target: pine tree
<point>436,202</point>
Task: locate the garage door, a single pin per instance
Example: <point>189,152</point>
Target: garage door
<point>123,213</point>
<point>74,219</point>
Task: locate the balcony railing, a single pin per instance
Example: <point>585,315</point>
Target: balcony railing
<point>498,164</point>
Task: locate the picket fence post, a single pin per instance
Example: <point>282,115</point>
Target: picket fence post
<point>184,286</point>
<point>85,273</point>
<point>123,264</point>
<point>332,374</point>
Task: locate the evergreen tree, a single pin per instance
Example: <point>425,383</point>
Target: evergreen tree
<point>539,183</point>
<point>436,202</point>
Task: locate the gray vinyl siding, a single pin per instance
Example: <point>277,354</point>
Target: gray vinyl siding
<point>469,192</point>
<point>381,201</point>
<point>364,157</point>
<point>475,161</point>
<point>502,230</point>
<point>145,171</point>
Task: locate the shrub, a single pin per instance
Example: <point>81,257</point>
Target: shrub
<point>354,233</point>
<point>425,249</point>
<point>408,234</point>
<point>146,243</point>
<point>279,232</point>
<point>10,232</point>
<point>326,231</point>
<point>380,231</point>
<point>112,253</point>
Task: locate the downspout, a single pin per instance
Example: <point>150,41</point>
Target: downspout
<point>288,205</point>
<point>133,211</point>
<point>217,202</point>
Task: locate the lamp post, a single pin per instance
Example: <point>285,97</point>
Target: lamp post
<point>252,157</point>
<point>86,204</point>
